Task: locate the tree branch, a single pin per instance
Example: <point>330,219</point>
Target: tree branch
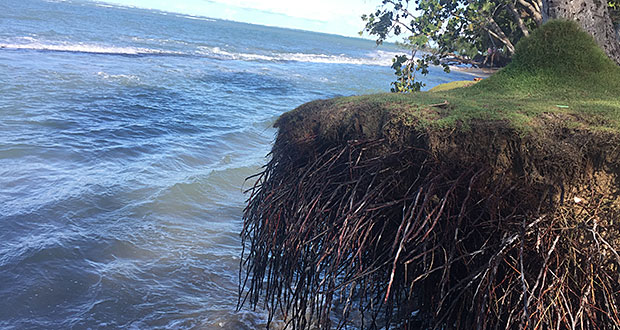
<point>497,32</point>
<point>403,9</point>
<point>534,9</point>
<point>397,22</point>
<point>517,16</point>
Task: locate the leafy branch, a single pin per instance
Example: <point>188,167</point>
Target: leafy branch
<point>468,31</point>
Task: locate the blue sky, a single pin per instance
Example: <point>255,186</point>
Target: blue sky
<point>329,16</point>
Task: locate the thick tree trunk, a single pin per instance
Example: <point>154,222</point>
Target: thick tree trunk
<point>592,15</point>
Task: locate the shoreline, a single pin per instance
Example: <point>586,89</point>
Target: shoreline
<point>479,72</point>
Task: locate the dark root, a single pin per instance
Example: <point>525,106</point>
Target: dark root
<point>479,229</point>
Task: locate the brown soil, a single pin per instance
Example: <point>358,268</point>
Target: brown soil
<point>363,216</point>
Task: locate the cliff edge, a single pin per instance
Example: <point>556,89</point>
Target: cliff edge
<point>495,205</point>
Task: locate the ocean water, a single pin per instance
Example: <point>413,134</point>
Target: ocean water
<point>125,139</point>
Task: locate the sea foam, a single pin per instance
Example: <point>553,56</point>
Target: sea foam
<point>376,58</point>
<point>86,48</point>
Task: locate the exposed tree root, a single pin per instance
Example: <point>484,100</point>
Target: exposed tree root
<point>438,232</point>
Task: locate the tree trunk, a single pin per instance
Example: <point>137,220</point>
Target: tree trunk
<point>592,16</point>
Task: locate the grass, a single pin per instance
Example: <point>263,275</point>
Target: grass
<point>452,85</point>
<point>452,227</point>
<point>558,70</point>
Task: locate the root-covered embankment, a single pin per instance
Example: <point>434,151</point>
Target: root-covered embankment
<point>498,208</point>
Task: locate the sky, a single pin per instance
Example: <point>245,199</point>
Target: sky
<point>329,16</point>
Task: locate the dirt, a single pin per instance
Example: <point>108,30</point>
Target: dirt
<point>436,227</point>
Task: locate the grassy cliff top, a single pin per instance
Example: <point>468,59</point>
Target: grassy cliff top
<point>558,72</point>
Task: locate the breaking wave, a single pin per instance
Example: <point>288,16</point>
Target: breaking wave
<point>374,58</point>
<point>198,18</point>
<point>378,58</point>
<point>87,48</point>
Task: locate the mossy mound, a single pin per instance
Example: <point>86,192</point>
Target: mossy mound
<point>495,205</point>
<point>563,49</point>
<point>558,61</point>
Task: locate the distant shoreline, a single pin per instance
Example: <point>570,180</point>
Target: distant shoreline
<point>479,72</point>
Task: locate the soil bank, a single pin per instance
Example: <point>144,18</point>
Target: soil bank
<point>494,205</point>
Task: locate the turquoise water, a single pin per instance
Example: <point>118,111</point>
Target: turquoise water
<point>125,139</point>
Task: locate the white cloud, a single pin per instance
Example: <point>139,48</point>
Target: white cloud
<point>330,16</point>
<point>322,10</point>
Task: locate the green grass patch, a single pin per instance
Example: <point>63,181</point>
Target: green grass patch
<point>558,70</point>
<point>452,85</point>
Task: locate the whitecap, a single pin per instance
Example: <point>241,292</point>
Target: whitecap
<point>86,48</point>
<point>377,58</point>
<point>104,5</point>
<point>31,39</point>
<point>118,77</point>
<point>199,18</point>
<point>158,41</point>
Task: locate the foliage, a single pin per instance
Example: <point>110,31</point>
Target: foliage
<point>461,28</point>
<point>405,69</point>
